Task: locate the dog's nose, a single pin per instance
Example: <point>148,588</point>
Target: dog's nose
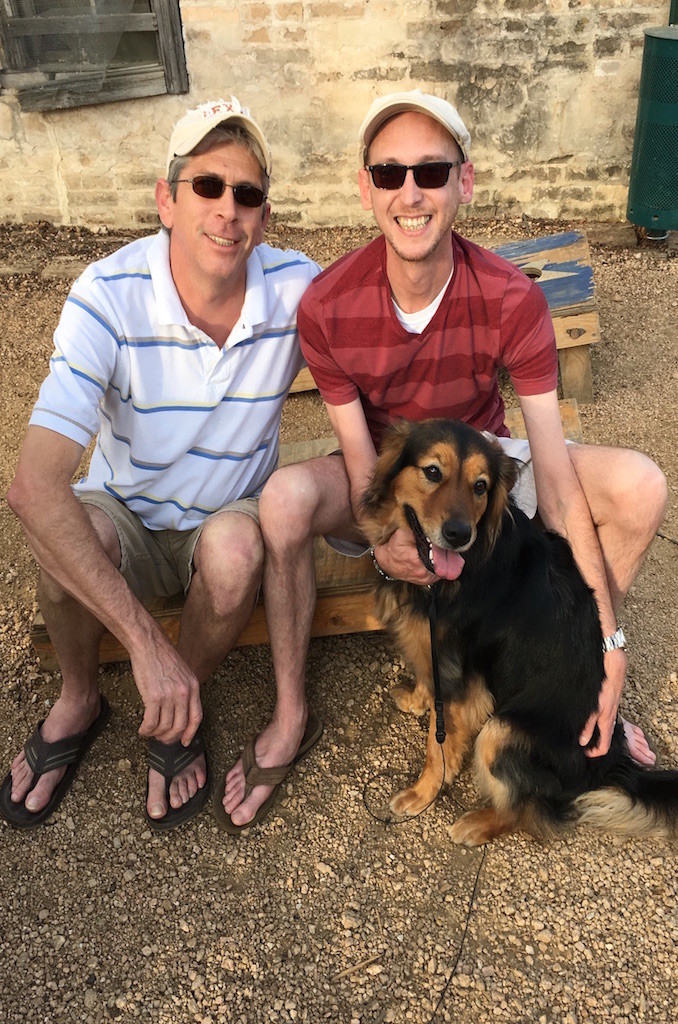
<point>456,532</point>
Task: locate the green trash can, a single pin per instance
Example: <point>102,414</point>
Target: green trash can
<point>653,188</point>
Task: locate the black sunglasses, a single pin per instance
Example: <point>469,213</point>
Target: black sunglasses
<point>392,176</point>
<point>211,186</point>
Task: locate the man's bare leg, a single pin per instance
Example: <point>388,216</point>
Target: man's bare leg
<point>627,495</point>
<point>228,563</point>
<point>299,503</point>
<point>75,635</point>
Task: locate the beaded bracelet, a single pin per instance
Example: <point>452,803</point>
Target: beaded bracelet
<point>384,575</point>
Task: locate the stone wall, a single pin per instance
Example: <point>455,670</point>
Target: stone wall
<point>548,89</point>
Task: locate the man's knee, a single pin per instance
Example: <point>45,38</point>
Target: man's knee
<point>623,485</point>
<point>641,491</point>
<point>289,503</point>
<point>228,561</point>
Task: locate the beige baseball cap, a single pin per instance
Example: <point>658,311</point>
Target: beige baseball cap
<point>196,124</point>
<point>398,102</point>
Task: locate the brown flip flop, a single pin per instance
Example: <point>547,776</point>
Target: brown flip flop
<point>257,776</point>
<point>44,757</point>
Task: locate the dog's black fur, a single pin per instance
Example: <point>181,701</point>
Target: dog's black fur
<point>519,646</point>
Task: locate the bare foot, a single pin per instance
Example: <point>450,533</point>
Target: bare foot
<point>639,748</point>
<point>182,787</point>
<point>274,747</point>
<point>66,718</point>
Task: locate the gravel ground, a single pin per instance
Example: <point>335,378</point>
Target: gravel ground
<point>325,913</point>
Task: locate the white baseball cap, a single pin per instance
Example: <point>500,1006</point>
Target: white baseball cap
<point>196,124</point>
<point>398,102</point>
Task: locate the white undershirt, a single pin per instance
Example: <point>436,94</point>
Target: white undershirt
<point>416,322</point>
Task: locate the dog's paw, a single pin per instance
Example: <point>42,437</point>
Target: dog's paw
<point>475,828</point>
<point>408,802</point>
<point>412,699</point>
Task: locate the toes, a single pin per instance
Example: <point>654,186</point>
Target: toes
<point>22,777</point>
<point>156,804</point>
<point>638,746</point>
<point>245,811</point>
<point>42,791</point>
<point>186,785</point>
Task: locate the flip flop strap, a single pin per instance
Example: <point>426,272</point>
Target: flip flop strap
<point>172,758</point>
<point>45,757</point>
<point>257,776</point>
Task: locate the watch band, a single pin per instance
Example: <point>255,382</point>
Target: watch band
<point>614,642</point>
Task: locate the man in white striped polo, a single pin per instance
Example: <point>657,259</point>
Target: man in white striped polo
<point>176,353</point>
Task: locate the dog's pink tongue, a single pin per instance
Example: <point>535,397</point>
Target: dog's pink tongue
<point>447,564</point>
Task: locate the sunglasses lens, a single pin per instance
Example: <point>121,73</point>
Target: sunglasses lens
<point>431,175</point>
<point>208,186</point>
<point>248,195</point>
<point>389,176</point>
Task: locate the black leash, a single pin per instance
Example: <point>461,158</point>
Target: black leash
<point>437,695</point>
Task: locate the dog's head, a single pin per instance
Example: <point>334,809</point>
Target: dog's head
<point>447,482</point>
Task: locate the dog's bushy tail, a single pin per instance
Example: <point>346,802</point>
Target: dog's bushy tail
<point>633,801</point>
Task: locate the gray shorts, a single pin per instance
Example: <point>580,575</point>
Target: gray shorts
<point>524,493</point>
<point>157,563</point>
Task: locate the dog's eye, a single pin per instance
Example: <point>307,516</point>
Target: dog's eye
<point>480,487</point>
<point>433,473</point>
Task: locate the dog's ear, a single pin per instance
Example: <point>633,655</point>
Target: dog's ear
<point>377,501</point>
<point>505,474</point>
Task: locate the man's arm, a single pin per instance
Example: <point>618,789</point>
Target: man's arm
<point>67,548</point>
<point>398,557</point>
<point>564,509</point>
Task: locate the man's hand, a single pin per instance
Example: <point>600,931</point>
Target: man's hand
<point>606,715</point>
<point>400,559</point>
<point>170,692</point>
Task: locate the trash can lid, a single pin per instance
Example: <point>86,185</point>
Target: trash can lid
<point>663,32</point>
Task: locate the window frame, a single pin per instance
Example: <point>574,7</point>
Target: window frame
<point>51,89</point>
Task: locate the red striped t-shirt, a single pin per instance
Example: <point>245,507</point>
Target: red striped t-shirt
<point>491,315</point>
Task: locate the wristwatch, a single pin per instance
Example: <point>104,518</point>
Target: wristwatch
<point>614,642</point>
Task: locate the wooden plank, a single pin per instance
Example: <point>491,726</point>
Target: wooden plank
<point>564,265</point>
<point>344,585</point>
<point>303,381</point>
<point>171,45</point>
<point>576,375</point>
<point>576,330</point>
<point>80,24</point>
<point>569,415</point>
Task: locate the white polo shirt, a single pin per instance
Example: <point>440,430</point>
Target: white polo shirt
<point>182,427</point>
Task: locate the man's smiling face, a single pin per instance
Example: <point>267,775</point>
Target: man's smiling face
<point>213,238</point>
<point>416,222</point>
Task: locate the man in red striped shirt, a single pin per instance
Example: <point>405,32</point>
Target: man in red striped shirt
<point>417,324</point>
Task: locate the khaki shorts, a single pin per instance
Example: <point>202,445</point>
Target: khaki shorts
<point>157,563</point>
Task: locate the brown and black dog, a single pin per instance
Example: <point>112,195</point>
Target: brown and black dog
<point>519,646</point>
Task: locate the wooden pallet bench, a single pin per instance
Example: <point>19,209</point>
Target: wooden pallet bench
<point>344,603</point>
<point>561,265</point>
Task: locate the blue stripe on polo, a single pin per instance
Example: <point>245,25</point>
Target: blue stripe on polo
<point>95,314</point>
<point>144,274</point>
<point>284,266</point>
<point>148,500</point>
<point>202,453</point>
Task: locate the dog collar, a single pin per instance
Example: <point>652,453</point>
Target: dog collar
<point>614,642</point>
